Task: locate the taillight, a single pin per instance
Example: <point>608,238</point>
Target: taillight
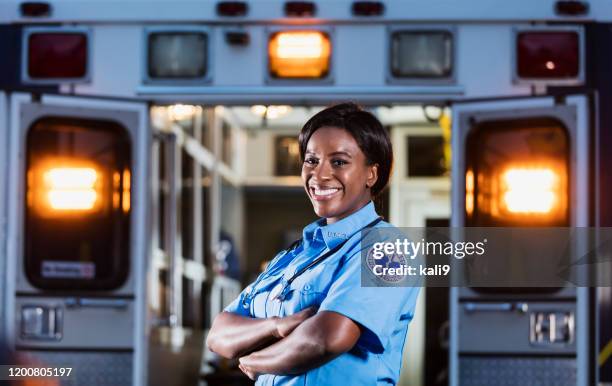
<point>299,54</point>
<point>548,54</point>
<point>77,207</point>
<point>56,55</point>
<point>518,174</point>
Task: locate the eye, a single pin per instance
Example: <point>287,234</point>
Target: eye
<point>311,161</point>
<point>339,162</point>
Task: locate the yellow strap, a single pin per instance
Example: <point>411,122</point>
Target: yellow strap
<point>605,353</point>
<point>445,124</point>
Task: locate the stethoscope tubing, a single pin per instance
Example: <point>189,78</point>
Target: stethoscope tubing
<point>283,291</point>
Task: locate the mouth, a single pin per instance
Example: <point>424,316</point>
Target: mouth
<point>323,193</point>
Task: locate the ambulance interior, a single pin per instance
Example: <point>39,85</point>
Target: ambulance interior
<point>250,204</point>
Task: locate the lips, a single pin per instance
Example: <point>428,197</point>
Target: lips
<point>323,193</point>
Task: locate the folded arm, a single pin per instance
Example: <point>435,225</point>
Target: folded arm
<point>233,335</point>
<point>313,343</point>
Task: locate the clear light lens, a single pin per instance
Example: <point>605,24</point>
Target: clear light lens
<point>299,54</point>
<point>530,190</point>
<point>421,54</point>
<point>177,55</point>
<point>71,188</point>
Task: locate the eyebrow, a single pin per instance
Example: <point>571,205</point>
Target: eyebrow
<point>341,153</point>
<point>331,154</point>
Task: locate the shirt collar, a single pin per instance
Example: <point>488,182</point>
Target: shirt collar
<point>334,234</point>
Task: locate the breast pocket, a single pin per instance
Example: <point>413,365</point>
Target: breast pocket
<point>313,285</point>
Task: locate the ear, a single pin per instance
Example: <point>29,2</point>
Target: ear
<point>372,175</point>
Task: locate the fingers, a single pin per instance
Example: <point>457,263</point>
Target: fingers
<point>308,312</point>
<point>248,372</point>
<point>312,310</point>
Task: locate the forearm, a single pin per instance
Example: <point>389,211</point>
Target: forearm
<point>232,335</point>
<point>301,351</point>
<point>313,343</point>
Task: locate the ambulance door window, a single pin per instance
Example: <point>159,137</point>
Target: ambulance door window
<point>77,210</point>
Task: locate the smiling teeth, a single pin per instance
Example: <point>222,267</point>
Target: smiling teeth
<point>325,192</point>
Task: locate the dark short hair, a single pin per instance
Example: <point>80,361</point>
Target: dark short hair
<point>372,138</point>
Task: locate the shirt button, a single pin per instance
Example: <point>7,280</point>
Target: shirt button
<point>307,287</point>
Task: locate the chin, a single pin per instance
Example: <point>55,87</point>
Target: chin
<point>324,211</point>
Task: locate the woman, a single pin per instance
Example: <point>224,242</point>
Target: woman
<point>307,320</point>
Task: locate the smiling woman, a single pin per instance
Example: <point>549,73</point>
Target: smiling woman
<point>307,320</point>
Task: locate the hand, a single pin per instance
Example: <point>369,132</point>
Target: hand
<point>285,325</point>
<point>245,369</point>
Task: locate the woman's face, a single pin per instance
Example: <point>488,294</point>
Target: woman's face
<point>336,175</point>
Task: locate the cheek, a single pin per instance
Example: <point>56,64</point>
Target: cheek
<point>354,180</point>
<point>305,172</point>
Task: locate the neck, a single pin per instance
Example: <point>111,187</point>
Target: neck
<point>332,220</point>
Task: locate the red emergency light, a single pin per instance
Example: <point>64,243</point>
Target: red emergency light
<point>368,8</point>
<point>548,54</point>
<point>57,55</point>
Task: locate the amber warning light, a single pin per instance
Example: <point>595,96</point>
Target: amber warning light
<point>71,188</point>
<point>530,190</point>
<point>299,54</point>
<point>65,189</point>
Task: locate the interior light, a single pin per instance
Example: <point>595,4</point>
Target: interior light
<point>299,54</point>
<point>270,112</point>
<point>181,112</point>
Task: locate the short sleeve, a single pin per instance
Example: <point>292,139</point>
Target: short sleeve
<point>236,305</point>
<point>380,310</point>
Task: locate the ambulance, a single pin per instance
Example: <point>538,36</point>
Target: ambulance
<point>150,166</point>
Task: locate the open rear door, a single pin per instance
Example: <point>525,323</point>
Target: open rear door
<point>4,121</point>
<point>78,240</point>
<point>489,335</point>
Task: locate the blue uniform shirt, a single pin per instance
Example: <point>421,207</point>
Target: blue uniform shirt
<point>335,285</point>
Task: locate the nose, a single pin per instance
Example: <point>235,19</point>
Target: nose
<point>322,172</point>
